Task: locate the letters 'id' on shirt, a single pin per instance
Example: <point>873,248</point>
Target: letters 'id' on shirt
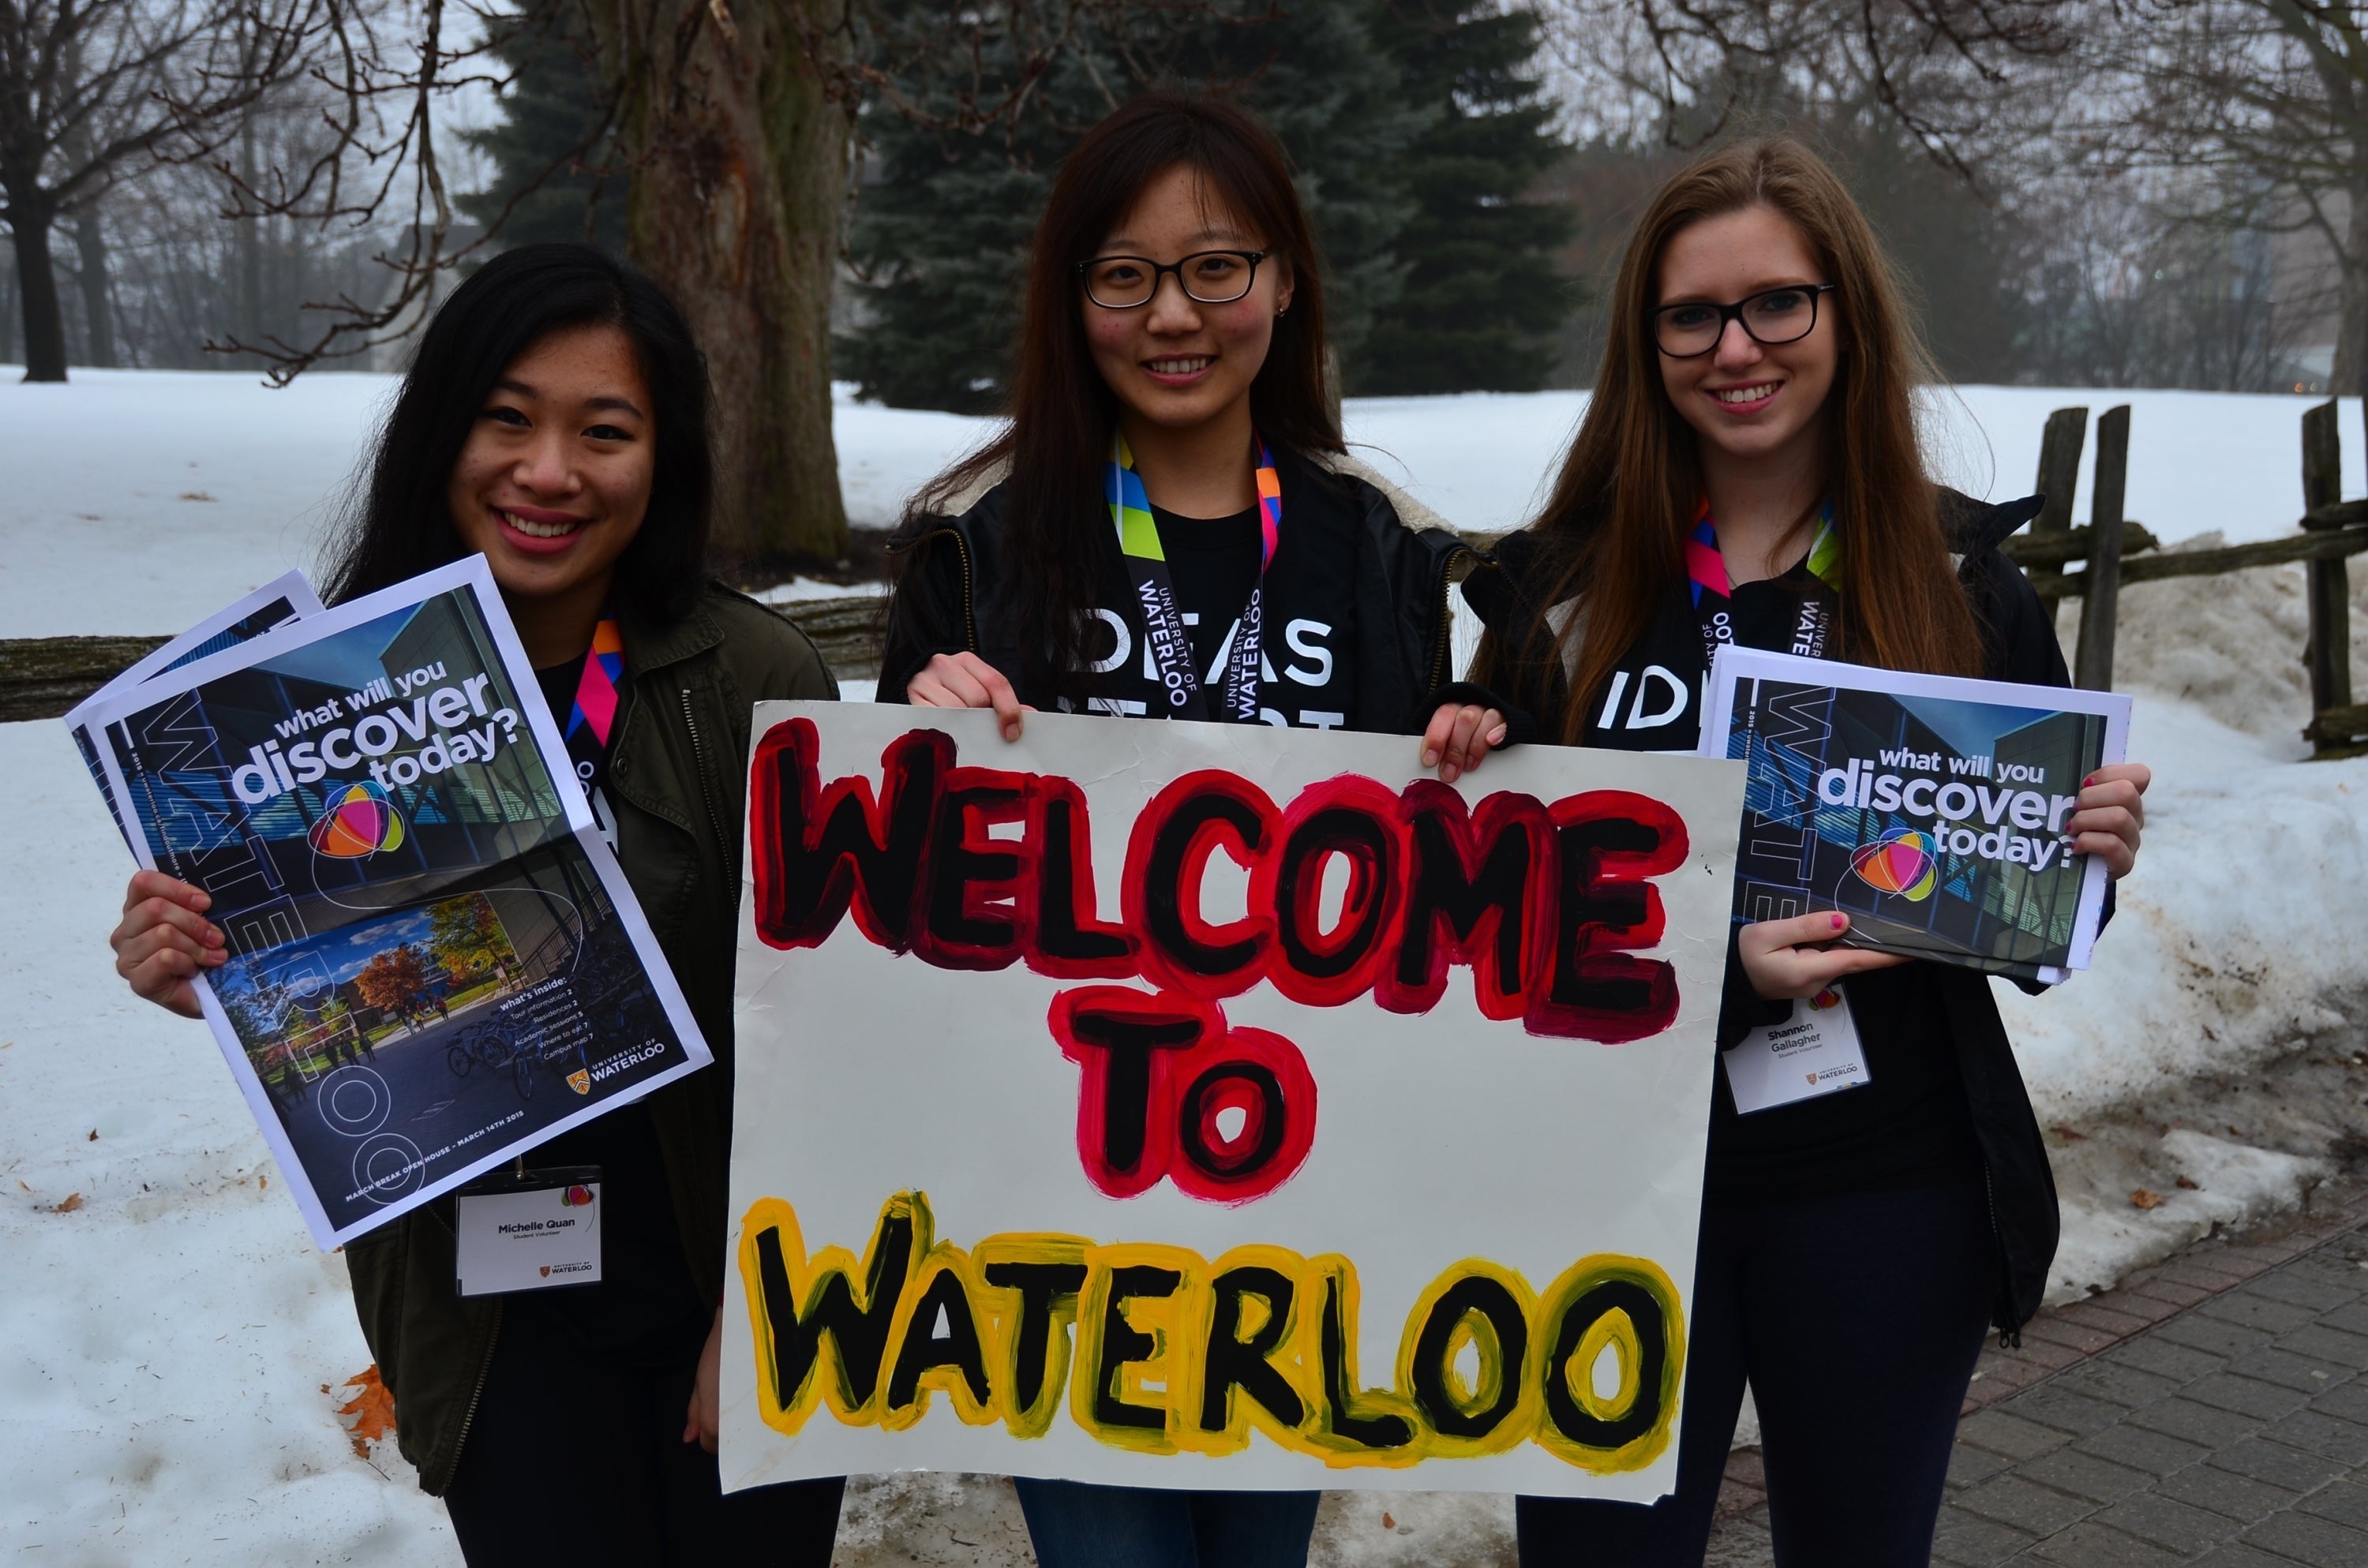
<point>1655,698</point>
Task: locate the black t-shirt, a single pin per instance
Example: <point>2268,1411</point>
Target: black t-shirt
<point>1213,563</point>
<point>645,1297</point>
<point>1307,652</point>
<point>1909,1125</point>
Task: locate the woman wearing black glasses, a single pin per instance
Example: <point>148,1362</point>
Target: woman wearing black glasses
<point>1170,445</point>
<point>1748,471</point>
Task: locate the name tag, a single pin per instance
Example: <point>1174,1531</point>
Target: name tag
<point>1815,1051</point>
<point>529,1231</point>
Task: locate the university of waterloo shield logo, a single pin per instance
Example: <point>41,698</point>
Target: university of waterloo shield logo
<point>580,1081</point>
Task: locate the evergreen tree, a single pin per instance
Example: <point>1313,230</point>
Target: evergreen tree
<point>939,244</point>
<point>549,109</point>
<point>1482,300</point>
<point>940,240</point>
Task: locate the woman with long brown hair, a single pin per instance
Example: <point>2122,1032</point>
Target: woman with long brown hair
<point>1168,527</point>
<point>1748,471</point>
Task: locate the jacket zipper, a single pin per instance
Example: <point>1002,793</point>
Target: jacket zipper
<point>962,549</point>
<point>2008,1338</point>
<point>706,775</point>
<point>477,1391</point>
<point>1443,665</point>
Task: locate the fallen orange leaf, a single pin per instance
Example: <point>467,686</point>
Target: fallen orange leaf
<point>2142,1199</point>
<point>68,1204</point>
<point>372,1411</point>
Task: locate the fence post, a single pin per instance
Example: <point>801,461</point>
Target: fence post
<point>2101,589</point>
<point>2331,581</point>
<point>2059,476</point>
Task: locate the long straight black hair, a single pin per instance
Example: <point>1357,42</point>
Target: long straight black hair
<point>401,523</point>
<point>1056,521</point>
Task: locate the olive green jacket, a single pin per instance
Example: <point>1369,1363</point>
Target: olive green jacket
<point>679,781</point>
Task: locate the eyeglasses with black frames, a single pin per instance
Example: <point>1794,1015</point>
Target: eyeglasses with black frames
<point>1773,316</point>
<point>1210,277</point>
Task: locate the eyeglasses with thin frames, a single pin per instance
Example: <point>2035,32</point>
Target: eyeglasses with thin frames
<point>1209,277</point>
<point>1771,317</point>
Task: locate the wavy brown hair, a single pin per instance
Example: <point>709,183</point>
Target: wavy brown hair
<point>1614,531</point>
<point>1057,525</point>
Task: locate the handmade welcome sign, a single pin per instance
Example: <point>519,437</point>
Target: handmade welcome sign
<point>1196,1105</point>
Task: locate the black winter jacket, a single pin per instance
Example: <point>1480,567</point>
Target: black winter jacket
<point>2018,643</point>
<point>955,594</point>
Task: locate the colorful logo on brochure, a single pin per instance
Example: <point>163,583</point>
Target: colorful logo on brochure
<point>1901,862</point>
<point>1825,1001</point>
<point>359,821</point>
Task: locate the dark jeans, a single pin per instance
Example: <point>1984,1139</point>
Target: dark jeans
<point>1073,1524</point>
<point>1857,1320</point>
<point>579,1459</point>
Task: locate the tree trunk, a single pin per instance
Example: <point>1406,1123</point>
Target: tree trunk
<point>2351,372</point>
<point>90,244</point>
<point>37,284</point>
<point>739,164</point>
<point>8,313</point>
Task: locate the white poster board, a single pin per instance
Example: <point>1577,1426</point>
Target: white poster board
<point>1172,1105</point>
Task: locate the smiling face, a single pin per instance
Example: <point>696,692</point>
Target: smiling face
<point>554,479</point>
<point>1750,402</point>
<point>1177,363</point>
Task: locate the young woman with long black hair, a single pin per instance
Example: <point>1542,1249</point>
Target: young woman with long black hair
<point>1170,445</point>
<point>1749,470</point>
<point>556,420</point>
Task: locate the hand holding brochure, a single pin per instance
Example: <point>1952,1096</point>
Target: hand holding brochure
<point>1930,808</point>
<point>434,962</point>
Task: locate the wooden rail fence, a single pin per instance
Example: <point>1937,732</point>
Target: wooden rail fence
<point>2115,550</point>
<point>40,678</point>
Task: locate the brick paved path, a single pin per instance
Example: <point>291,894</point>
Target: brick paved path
<point>2211,1411</point>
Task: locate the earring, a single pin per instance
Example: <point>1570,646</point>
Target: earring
<point>1283,312</point>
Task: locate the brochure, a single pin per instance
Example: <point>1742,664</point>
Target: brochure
<point>1930,808</point>
<point>435,963</point>
<point>287,597</point>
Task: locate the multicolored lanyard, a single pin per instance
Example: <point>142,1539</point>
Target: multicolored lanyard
<point>596,689</point>
<point>1706,574</point>
<point>1155,591</point>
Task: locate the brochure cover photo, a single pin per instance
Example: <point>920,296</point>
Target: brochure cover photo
<point>433,962</point>
<point>1930,808</point>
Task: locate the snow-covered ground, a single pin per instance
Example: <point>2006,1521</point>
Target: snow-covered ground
<point>127,495</point>
<point>167,1331</point>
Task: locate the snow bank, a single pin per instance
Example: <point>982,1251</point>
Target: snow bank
<point>2236,946</point>
<point>2106,1235</point>
<point>2236,941</point>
